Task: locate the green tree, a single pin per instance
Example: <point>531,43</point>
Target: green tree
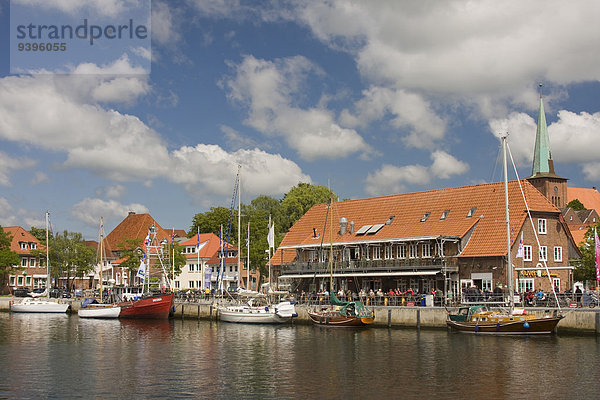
<point>298,201</point>
<point>39,234</point>
<point>70,256</point>
<point>585,268</point>
<point>211,222</point>
<point>257,213</point>
<point>8,258</point>
<point>132,253</point>
<point>576,205</point>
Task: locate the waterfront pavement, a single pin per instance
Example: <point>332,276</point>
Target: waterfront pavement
<point>576,321</point>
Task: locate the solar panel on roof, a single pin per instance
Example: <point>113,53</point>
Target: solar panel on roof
<point>363,229</point>
<point>374,229</point>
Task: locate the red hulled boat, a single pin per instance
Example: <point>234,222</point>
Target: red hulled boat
<point>148,307</point>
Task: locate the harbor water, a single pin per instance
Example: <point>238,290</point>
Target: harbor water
<point>63,356</point>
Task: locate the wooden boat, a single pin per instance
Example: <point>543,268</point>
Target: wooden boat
<point>154,306</point>
<point>342,314</point>
<point>39,305</point>
<point>480,319</point>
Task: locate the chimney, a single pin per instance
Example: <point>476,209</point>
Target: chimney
<point>131,213</point>
<point>343,225</point>
<point>351,227</point>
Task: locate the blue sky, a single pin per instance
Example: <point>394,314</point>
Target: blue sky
<point>373,98</point>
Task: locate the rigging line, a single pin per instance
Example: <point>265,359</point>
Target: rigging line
<point>229,226</point>
<point>537,239</point>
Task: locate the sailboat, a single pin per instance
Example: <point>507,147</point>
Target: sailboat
<point>339,313</point>
<point>101,310</point>
<point>257,308</point>
<point>40,305</point>
<point>481,320</point>
<point>150,305</point>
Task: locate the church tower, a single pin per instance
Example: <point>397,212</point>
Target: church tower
<point>543,176</point>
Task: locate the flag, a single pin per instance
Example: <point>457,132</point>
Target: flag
<point>248,236</point>
<point>147,242</point>
<point>520,250</point>
<point>271,236</point>
<point>141,272</point>
<point>173,238</point>
<point>597,250</point>
<point>198,244</point>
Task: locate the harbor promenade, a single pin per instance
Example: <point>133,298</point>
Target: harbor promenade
<point>576,322</point>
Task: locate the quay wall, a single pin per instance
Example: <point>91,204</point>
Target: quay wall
<point>577,321</point>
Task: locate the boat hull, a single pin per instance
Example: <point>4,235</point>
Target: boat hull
<point>279,314</point>
<point>155,307</point>
<point>326,318</point>
<point>538,326</point>
<point>39,306</point>
<point>95,311</point>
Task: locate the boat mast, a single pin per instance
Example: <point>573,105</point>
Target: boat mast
<point>330,244</point>
<point>47,258</point>
<point>239,220</point>
<point>509,271</point>
<point>248,258</point>
<point>101,260</point>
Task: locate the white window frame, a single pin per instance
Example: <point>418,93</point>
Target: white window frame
<point>32,262</point>
<point>33,246</point>
<point>527,253</point>
<point>376,253</point>
<point>556,284</point>
<point>542,226</point>
<point>401,251</point>
<point>543,253</point>
<point>23,246</point>
<point>558,253</point>
<point>388,252</point>
<point>426,250</point>
<point>413,250</point>
<point>23,262</point>
<point>526,285</point>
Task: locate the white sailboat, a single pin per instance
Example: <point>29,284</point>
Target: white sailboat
<point>257,308</point>
<point>39,305</point>
<point>95,310</point>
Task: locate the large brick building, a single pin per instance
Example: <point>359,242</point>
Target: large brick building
<point>32,272</point>
<point>446,239</point>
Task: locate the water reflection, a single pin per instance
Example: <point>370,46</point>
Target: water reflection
<point>60,356</point>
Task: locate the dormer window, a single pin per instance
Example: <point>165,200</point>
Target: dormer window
<point>23,246</point>
<point>471,212</point>
<point>425,216</point>
<point>444,215</point>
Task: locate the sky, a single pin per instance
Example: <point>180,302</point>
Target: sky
<point>370,98</point>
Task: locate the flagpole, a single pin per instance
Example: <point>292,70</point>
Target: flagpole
<point>248,255</point>
<point>173,246</point>
<point>198,259</point>
<point>239,220</point>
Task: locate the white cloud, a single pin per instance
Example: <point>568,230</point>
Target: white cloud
<point>7,215</point>
<point>209,168</point>
<point>8,164</point>
<point>392,179</point>
<point>408,109</point>
<point>164,31</point>
<point>109,8</point>
<point>462,49</point>
<point>90,210</point>
<point>271,89</point>
<point>39,177</point>
<point>111,192</point>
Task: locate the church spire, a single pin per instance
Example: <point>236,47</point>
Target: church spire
<point>542,157</point>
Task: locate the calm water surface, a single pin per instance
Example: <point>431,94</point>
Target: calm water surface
<point>64,357</point>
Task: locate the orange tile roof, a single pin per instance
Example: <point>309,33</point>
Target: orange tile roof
<point>210,250</point>
<point>134,226</point>
<point>488,222</point>
<point>21,235</point>
<point>590,198</point>
<point>578,233</point>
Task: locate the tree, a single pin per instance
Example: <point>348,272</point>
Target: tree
<point>211,222</point>
<point>585,268</point>
<point>69,255</point>
<point>39,234</point>
<point>8,258</point>
<point>299,200</point>
<point>576,205</point>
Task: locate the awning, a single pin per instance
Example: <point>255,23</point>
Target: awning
<point>39,276</point>
<point>361,274</point>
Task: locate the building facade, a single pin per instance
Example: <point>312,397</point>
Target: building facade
<point>31,271</point>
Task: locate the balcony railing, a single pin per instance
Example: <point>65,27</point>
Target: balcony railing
<point>349,266</point>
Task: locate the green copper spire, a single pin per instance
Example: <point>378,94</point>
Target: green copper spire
<point>542,155</point>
